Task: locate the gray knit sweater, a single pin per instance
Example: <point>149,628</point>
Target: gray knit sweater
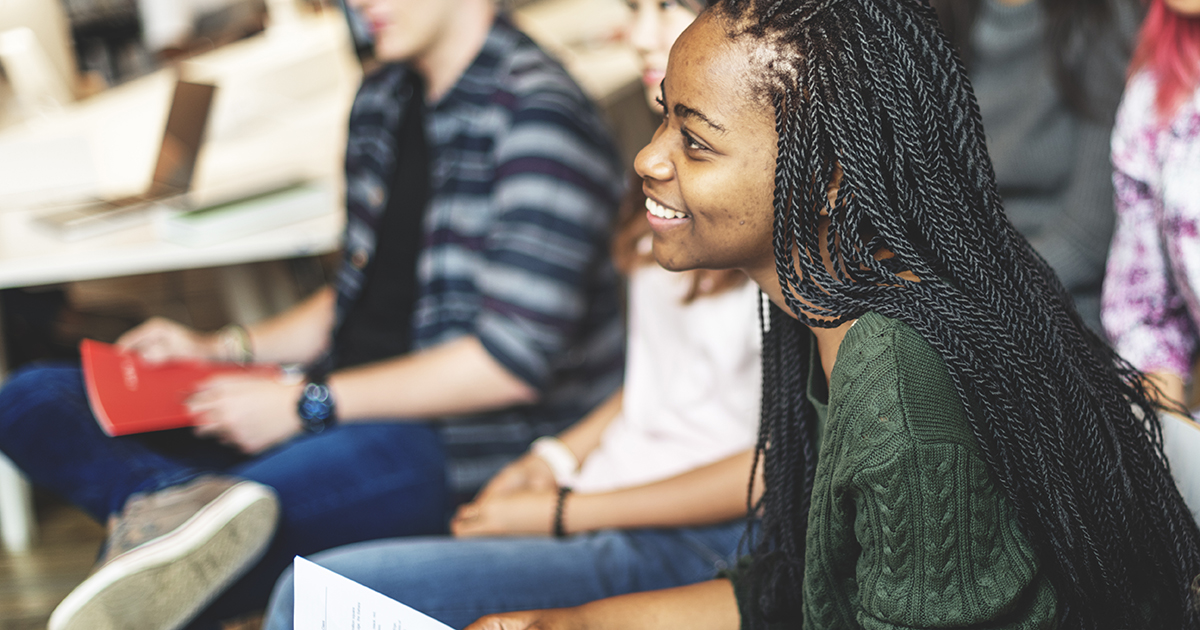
<point>1052,166</point>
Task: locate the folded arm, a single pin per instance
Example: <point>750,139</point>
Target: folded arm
<point>707,495</point>
<point>703,496</point>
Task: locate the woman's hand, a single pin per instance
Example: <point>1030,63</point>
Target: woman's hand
<point>554,619</point>
<point>249,413</point>
<point>528,473</point>
<point>705,606</point>
<point>159,339</point>
<point>523,512</point>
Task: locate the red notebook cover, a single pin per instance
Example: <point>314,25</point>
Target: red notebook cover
<point>129,395</point>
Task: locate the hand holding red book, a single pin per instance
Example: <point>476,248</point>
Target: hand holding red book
<point>130,395</point>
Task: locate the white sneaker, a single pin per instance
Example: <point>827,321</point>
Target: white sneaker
<point>170,553</point>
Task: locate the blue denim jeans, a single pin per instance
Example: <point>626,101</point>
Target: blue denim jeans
<point>348,484</point>
<point>459,580</point>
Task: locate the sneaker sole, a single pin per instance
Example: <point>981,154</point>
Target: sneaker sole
<point>164,583</point>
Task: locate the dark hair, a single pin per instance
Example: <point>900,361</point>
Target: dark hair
<point>869,96</point>
<point>1073,28</point>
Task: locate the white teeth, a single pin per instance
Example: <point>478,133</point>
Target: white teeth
<point>661,211</point>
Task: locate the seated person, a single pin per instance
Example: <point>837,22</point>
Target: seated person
<point>658,501</point>
<point>945,444</point>
<point>660,495</point>
<point>1048,75</point>
<point>481,188</point>
<point>1151,305</point>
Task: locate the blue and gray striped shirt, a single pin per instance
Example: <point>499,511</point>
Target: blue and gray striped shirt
<point>524,185</point>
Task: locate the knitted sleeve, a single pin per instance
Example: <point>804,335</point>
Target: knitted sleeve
<point>940,547</point>
<point>938,544</point>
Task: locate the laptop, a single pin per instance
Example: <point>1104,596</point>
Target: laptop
<point>181,142</point>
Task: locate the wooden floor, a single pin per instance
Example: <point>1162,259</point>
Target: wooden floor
<point>31,585</point>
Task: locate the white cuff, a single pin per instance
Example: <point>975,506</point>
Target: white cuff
<point>558,457</point>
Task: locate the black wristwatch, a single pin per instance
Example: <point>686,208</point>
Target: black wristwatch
<point>316,408</point>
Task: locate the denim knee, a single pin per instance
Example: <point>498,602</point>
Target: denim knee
<point>30,391</point>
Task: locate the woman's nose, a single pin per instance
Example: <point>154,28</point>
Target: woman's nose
<point>643,27</point>
<point>652,161</point>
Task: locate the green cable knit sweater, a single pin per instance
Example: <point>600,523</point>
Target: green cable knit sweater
<point>907,528</point>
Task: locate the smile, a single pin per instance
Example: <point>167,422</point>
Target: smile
<point>663,212</point>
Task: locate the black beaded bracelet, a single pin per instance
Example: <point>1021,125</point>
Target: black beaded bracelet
<point>559,530</point>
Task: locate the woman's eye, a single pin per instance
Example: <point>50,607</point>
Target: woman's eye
<point>662,107</point>
<point>689,142</point>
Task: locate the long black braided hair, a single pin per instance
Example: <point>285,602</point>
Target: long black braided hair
<point>869,95</point>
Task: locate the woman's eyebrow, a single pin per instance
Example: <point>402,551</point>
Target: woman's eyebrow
<point>683,111</point>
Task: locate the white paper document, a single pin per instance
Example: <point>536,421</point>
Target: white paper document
<point>328,601</point>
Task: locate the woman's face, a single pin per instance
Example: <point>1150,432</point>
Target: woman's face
<point>709,172</point>
<point>655,27</point>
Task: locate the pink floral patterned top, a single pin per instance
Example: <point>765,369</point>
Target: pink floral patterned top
<point>1150,306</point>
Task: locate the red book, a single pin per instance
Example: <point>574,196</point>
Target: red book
<point>130,395</point>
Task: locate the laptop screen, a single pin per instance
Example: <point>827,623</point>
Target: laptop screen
<point>182,138</point>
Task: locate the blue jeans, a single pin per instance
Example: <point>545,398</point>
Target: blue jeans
<point>348,484</point>
<point>459,580</point>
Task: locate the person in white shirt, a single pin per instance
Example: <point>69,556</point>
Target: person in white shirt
<point>648,491</point>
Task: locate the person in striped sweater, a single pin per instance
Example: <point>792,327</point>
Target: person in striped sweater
<point>475,310</point>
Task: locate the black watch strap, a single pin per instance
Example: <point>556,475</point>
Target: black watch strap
<point>316,407</point>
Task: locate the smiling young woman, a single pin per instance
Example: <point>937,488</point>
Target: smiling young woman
<point>655,26</point>
<point>945,443</point>
<point>709,170</point>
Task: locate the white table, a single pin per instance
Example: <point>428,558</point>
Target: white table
<point>280,112</point>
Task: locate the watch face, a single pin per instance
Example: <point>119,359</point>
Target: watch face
<point>316,407</point>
